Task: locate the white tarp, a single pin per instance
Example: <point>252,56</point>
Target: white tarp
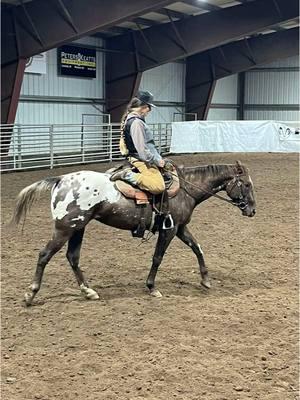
<point>235,136</point>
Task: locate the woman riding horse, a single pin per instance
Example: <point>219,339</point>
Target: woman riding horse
<point>138,146</point>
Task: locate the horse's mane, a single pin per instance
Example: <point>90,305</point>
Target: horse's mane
<point>214,169</point>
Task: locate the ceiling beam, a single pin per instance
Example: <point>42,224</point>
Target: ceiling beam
<point>168,42</point>
<point>118,29</point>
<point>145,21</point>
<point>172,13</point>
<point>158,45</point>
<point>33,22</point>
<point>202,4</point>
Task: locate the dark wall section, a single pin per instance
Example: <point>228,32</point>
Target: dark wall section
<point>39,25</point>
<point>204,69</point>
<point>164,43</point>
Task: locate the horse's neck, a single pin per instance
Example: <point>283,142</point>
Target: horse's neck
<point>208,178</point>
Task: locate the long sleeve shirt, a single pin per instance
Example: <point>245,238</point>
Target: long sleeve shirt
<point>143,141</point>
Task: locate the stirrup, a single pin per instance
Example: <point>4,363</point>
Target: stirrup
<point>168,222</point>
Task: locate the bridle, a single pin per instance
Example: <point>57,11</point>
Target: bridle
<point>236,182</point>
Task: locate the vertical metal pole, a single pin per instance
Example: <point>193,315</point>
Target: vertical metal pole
<point>51,146</point>
<point>110,142</point>
<point>82,143</point>
<point>13,138</point>
<point>169,137</point>
<point>159,138</point>
<point>241,96</point>
<point>19,147</point>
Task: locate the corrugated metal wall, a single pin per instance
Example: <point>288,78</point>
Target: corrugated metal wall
<point>275,115</point>
<point>40,94</point>
<point>31,113</point>
<point>268,87</point>
<point>272,91</point>
<point>224,102</point>
<point>167,84</point>
<point>222,114</point>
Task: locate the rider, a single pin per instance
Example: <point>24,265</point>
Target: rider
<point>138,145</point>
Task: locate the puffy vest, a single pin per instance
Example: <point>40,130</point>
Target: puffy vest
<point>127,136</point>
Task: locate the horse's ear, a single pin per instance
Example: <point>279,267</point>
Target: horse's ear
<point>239,167</point>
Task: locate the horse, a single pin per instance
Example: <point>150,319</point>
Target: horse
<point>79,197</point>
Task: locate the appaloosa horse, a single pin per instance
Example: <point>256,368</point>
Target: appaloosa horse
<point>79,197</point>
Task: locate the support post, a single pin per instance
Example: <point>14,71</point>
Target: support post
<point>121,86</point>
<point>200,86</point>
<point>241,95</point>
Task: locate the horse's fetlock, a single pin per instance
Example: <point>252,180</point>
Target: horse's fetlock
<point>35,287</point>
<point>43,254</point>
<point>150,285</point>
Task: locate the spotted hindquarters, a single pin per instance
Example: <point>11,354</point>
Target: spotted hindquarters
<point>77,194</point>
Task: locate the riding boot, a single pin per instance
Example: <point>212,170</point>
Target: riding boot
<point>126,175</point>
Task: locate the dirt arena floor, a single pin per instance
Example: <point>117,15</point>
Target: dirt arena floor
<point>237,341</point>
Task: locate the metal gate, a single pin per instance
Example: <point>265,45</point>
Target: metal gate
<point>47,146</point>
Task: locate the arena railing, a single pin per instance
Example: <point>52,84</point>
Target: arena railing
<point>47,146</point>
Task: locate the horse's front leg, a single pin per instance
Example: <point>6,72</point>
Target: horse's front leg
<point>164,239</point>
<point>185,235</point>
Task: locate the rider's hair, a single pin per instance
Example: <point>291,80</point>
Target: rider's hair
<point>132,105</point>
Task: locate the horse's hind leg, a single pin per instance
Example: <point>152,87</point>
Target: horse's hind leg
<point>73,255</point>
<point>185,235</point>
<point>59,238</point>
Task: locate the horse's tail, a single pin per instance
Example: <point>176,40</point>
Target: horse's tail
<point>29,194</point>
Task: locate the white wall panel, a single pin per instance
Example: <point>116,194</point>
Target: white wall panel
<point>272,87</point>
<point>163,114</point>
<point>52,84</point>
<point>226,90</point>
<point>280,115</point>
<point>222,114</point>
<point>53,113</point>
<point>166,82</point>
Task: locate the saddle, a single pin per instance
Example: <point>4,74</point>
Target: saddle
<point>159,203</point>
<point>144,197</point>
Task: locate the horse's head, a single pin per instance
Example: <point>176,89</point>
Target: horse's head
<point>241,191</point>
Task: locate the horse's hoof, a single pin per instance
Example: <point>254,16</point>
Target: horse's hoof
<point>88,292</point>
<point>28,299</point>
<point>206,283</point>
<point>91,294</point>
<point>155,293</point>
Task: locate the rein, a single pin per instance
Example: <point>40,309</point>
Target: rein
<point>217,189</point>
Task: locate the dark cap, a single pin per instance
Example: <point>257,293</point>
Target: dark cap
<point>146,98</point>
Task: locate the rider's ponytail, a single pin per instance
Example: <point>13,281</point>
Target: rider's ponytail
<point>122,145</point>
<point>134,103</point>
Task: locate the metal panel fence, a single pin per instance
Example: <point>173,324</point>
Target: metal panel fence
<point>47,146</point>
